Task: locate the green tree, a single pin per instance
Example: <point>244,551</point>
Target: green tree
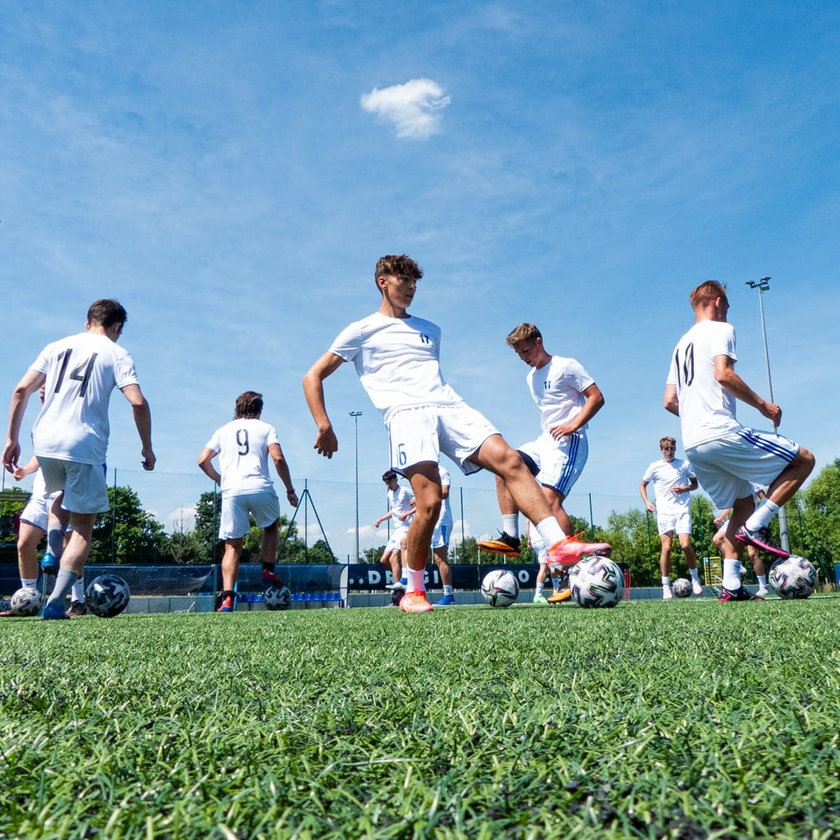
<point>127,533</point>
<point>818,506</point>
<point>12,502</point>
<point>206,529</point>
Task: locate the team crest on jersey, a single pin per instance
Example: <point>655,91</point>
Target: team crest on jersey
<point>425,339</point>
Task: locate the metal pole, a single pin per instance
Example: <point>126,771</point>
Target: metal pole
<point>356,415</point>
<point>763,286</point>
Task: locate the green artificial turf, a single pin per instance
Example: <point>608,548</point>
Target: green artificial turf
<point>686,720</point>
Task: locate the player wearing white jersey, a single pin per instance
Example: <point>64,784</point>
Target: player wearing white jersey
<point>70,436</point>
<point>673,481</point>
<point>244,446</point>
<point>400,510</point>
<point>567,398</point>
<point>397,357</point>
<point>702,389</point>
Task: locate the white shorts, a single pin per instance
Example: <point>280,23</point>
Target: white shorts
<point>559,462</point>
<point>442,533</point>
<point>234,522</point>
<point>37,511</point>
<point>678,522</point>
<point>421,433</point>
<point>85,490</point>
<point>728,467</point>
<point>396,539</point>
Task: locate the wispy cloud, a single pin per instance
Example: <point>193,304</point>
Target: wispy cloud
<point>414,107</point>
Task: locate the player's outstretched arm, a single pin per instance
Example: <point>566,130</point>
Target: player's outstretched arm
<point>31,382</point>
<point>143,422</point>
<point>326,443</point>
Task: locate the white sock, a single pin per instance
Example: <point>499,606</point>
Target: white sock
<point>33,582</point>
<point>762,515</point>
<point>447,590</point>
<point>404,573</point>
<point>77,591</point>
<point>666,582</point>
<point>510,524</point>
<point>695,574</point>
<point>416,579</point>
<point>762,581</point>
<point>549,529</point>
<point>731,573</point>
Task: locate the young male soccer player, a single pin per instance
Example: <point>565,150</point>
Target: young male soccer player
<point>70,435</point>
<point>400,509</point>
<point>244,446</point>
<point>567,398</point>
<point>673,482</point>
<point>396,356</point>
<point>702,389</point>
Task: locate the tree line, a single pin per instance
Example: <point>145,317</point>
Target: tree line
<point>131,535</point>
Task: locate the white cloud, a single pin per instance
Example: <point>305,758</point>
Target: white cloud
<point>414,107</point>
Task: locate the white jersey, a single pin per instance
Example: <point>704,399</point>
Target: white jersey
<point>664,475</point>
<point>242,446</point>
<point>81,371</point>
<point>707,410</point>
<point>399,502</point>
<point>397,360</point>
<point>445,516</point>
<point>557,388</point>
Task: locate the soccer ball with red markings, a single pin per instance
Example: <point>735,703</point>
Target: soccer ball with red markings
<point>793,577</point>
<point>500,588</point>
<point>596,582</point>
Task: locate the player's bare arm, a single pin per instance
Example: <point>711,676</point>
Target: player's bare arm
<point>685,488</point>
<point>726,376</point>
<point>28,469</point>
<point>326,442</point>
<point>282,467</point>
<point>31,382</point>
<point>594,403</point>
<point>143,422</point>
<point>643,493</point>
<point>205,464</point>
<point>670,400</point>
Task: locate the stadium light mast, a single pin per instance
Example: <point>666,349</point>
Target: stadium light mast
<point>763,285</point>
<point>356,415</point>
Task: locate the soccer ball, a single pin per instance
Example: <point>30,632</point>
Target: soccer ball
<point>107,595</point>
<point>278,598</point>
<point>26,601</point>
<point>793,577</point>
<point>596,582</point>
<point>681,588</point>
<point>500,588</point>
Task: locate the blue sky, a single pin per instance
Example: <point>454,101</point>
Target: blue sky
<point>231,171</point>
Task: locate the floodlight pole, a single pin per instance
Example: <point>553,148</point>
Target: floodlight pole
<point>763,286</point>
<point>356,415</point>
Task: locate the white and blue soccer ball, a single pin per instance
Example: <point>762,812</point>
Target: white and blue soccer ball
<point>596,582</point>
<point>681,587</point>
<point>26,601</point>
<point>278,598</point>
<point>107,596</point>
<point>500,588</point>
<point>793,577</point>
